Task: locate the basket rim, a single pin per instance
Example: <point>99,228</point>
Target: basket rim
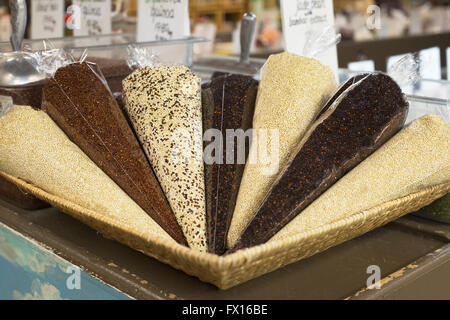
<point>222,264</point>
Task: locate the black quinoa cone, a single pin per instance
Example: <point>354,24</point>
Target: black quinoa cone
<point>79,101</point>
<point>228,102</point>
<point>353,126</point>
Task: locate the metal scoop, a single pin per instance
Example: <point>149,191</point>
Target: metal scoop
<point>230,65</point>
<point>16,69</point>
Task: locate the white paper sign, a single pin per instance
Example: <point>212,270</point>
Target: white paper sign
<point>95,17</point>
<point>162,20</point>
<point>47,19</point>
<point>302,16</point>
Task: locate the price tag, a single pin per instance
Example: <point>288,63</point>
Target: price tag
<point>300,17</point>
<point>47,19</point>
<point>162,20</point>
<point>95,17</point>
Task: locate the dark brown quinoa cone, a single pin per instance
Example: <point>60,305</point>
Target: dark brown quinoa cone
<point>79,101</point>
<point>228,102</point>
<point>360,120</point>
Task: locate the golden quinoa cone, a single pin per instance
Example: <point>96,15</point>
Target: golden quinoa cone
<point>416,158</point>
<point>164,105</point>
<point>35,149</point>
<point>291,93</point>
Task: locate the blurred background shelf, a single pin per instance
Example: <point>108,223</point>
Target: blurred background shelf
<point>218,10</point>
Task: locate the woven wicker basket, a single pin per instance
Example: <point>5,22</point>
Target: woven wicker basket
<point>231,270</point>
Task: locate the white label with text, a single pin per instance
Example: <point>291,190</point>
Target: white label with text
<point>47,19</point>
<point>299,17</point>
<point>162,20</point>
<point>95,17</point>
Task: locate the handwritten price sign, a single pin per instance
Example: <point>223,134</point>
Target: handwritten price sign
<point>299,18</point>
<point>47,19</point>
<point>162,20</point>
<point>95,17</point>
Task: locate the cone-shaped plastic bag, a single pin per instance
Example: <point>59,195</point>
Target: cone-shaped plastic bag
<point>35,149</point>
<point>357,123</point>
<point>9,191</point>
<point>415,158</point>
<point>79,101</point>
<point>228,105</point>
<point>291,93</point>
<point>163,103</point>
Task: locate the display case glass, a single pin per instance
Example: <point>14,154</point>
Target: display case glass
<point>115,46</point>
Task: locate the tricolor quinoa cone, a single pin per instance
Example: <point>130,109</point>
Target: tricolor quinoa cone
<point>164,105</point>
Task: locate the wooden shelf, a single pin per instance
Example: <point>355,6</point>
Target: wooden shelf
<point>218,9</point>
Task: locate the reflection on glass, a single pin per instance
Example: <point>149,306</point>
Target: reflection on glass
<point>363,65</point>
<point>430,65</point>
<point>393,59</point>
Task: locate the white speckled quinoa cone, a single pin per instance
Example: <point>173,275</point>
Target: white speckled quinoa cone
<point>291,93</point>
<point>416,158</point>
<point>164,105</point>
<point>35,149</point>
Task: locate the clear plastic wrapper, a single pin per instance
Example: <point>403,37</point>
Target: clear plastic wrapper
<point>139,57</point>
<point>406,71</point>
<point>114,71</point>
<point>292,91</point>
<point>51,162</point>
<point>291,94</point>
<point>164,105</point>
<point>320,40</point>
<point>51,58</point>
<point>354,125</point>
<point>19,78</point>
<point>79,100</point>
<point>414,159</point>
<point>228,103</point>
<point>291,200</point>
